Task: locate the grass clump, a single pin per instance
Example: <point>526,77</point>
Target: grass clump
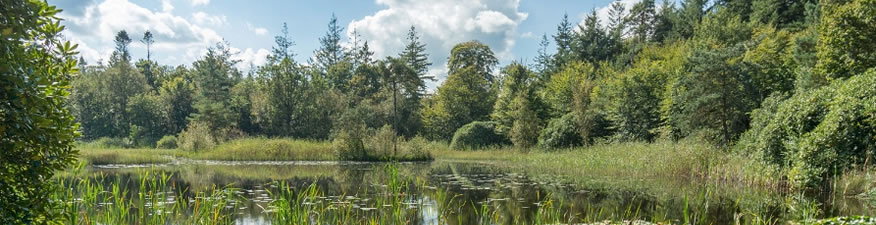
<point>268,149</point>
<point>107,156</point>
<point>380,145</point>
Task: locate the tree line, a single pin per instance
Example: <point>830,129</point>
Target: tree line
<point>769,78</point>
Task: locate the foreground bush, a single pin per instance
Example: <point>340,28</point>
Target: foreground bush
<point>817,134</point>
<point>477,135</point>
<point>167,142</point>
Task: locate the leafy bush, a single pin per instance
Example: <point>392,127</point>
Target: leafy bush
<point>167,142</point>
<point>416,148</point>
<point>477,135</point>
<point>561,133</point>
<point>816,134</point>
<point>37,130</point>
<point>348,145</point>
<point>196,136</point>
<point>380,144</point>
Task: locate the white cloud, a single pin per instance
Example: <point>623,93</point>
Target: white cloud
<point>96,26</point>
<point>250,58</point>
<point>207,19</point>
<point>257,30</point>
<point>441,25</point>
<point>200,2</point>
<point>166,6</point>
<point>528,35</point>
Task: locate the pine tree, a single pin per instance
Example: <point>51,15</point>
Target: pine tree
<point>415,55</point>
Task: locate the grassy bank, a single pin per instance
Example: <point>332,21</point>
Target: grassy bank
<point>265,149</point>
<point>619,161</point>
<point>622,162</point>
<point>103,156</point>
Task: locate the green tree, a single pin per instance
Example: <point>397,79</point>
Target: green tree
<point>592,44</point>
<point>467,94</point>
<point>330,59</point>
<point>641,20</point>
<point>214,76</point>
<point>564,38</point>
<point>147,115</point>
<point>121,54</point>
<point>36,129</point>
<point>690,15</point>
<point>780,13</point>
<point>517,82</point>
<point>148,40</point>
<point>717,95</point>
<point>177,97</point>
<point>845,42</point>
<point>415,55</point>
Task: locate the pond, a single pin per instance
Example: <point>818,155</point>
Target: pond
<point>441,192</point>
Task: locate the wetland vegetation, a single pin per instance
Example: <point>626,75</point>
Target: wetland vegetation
<point>691,112</point>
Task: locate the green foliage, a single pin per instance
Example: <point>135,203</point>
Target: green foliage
<point>36,128</point>
<point>635,105</point>
<point>467,95</point>
<point>714,97</point>
<point>815,134</point>
<point>214,76</point>
<point>518,92</point>
<point>560,90</point>
<point>525,129</point>
<point>197,136</point>
<point>147,119</point>
<point>561,132</point>
<point>477,135</point>
<point>167,142</point>
<point>845,43</point>
<point>176,97</point>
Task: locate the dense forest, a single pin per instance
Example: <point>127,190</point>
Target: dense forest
<point>784,81</point>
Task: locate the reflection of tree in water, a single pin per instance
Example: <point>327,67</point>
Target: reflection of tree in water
<point>509,197</point>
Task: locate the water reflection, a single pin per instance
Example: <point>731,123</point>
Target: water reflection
<point>461,193</point>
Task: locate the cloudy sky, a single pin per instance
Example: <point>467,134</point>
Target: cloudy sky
<point>183,29</point>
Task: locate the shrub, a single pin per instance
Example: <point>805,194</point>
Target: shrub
<point>561,133</point>
<point>381,144</point>
<point>348,145</point>
<point>196,136</point>
<point>477,135</point>
<point>167,142</point>
<point>416,148</point>
<point>814,135</point>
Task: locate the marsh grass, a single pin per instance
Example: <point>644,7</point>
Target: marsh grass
<point>96,200</point>
<point>268,149</point>
<point>392,197</point>
<point>634,161</point>
<point>104,156</point>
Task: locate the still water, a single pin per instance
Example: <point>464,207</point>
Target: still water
<point>468,193</point>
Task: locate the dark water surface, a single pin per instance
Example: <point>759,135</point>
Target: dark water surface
<point>511,195</point>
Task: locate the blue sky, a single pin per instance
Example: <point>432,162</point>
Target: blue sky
<point>185,28</point>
